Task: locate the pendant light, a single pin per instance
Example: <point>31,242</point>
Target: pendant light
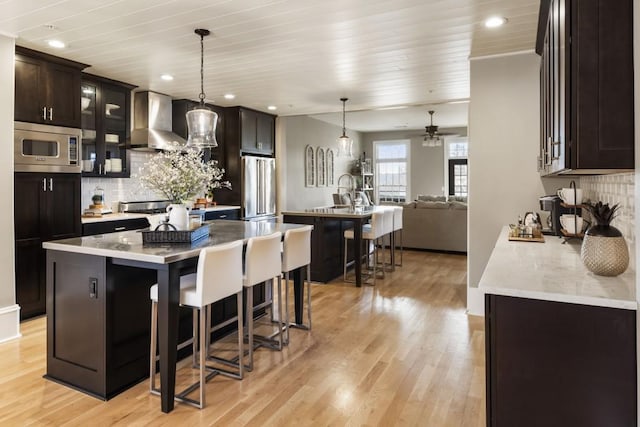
<point>201,121</point>
<point>345,144</point>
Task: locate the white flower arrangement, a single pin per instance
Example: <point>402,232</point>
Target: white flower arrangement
<point>181,174</point>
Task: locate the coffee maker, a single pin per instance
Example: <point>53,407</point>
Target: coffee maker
<point>552,204</point>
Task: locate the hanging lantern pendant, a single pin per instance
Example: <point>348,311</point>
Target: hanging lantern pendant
<point>201,121</point>
<point>345,144</point>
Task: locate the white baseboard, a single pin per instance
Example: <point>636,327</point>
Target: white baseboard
<point>9,323</point>
<point>475,301</point>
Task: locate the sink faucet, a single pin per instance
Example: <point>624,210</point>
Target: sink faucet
<point>349,188</point>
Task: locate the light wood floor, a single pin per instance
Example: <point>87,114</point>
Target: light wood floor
<point>401,353</point>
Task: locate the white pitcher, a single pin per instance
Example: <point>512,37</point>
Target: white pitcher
<point>178,215</point>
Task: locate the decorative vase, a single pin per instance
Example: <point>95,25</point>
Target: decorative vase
<point>178,215</point>
<point>604,251</point>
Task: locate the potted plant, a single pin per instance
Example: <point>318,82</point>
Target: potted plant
<point>604,249</point>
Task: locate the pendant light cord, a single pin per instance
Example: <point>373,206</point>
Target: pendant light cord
<point>202,95</point>
<point>344,128</point>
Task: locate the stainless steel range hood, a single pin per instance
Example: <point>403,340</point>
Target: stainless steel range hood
<point>152,122</point>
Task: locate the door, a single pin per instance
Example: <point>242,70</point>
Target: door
<point>29,90</point>
<point>63,93</point>
<point>250,186</point>
<point>63,206</point>
<point>268,186</point>
<point>248,130</point>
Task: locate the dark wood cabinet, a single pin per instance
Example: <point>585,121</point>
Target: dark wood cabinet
<point>222,214</point>
<point>106,127</point>
<point>586,86</point>
<point>47,89</point>
<point>47,207</point>
<point>104,227</point>
<point>559,364</point>
<point>249,131</point>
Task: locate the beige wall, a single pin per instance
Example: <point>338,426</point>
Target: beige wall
<point>293,135</point>
<point>427,164</point>
<point>9,326</point>
<point>503,147</point>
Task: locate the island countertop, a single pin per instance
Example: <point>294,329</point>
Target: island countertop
<point>553,271</point>
<point>128,244</point>
<point>335,212</point>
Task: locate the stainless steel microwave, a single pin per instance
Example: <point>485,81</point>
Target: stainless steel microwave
<point>46,148</point>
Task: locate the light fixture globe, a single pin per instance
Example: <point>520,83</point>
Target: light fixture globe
<point>201,121</point>
<point>345,144</point>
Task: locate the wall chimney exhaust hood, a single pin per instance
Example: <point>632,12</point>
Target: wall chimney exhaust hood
<point>152,122</point>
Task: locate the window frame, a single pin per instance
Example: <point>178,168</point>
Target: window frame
<point>406,160</point>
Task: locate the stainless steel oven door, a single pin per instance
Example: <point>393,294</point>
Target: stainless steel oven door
<point>44,148</point>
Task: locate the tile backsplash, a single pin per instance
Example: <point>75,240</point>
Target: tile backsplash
<point>614,189</point>
<point>120,189</point>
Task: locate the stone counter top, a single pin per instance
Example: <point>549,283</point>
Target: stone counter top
<point>336,212</point>
<point>553,271</point>
<point>128,244</point>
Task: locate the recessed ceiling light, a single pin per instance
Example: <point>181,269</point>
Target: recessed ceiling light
<point>272,107</point>
<point>57,44</point>
<point>166,77</point>
<point>495,21</point>
<point>229,96</point>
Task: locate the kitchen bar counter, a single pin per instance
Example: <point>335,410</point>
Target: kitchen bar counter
<point>553,271</point>
<point>560,341</point>
<point>98,305</point>
<point>327,247</point>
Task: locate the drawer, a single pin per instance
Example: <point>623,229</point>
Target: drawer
<point>113,226</point>
<point>222,214</point>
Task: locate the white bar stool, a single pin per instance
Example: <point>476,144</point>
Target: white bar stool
<point>219,276</point>
<point>296,254</point>
<point>387,230</point>
<point>370,232</point>
<point>263,263</point>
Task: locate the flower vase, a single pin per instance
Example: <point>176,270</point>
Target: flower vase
<point>178,216</point>
<point>604,251</point>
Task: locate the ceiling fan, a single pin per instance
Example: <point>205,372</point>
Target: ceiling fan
<point>433,138</point>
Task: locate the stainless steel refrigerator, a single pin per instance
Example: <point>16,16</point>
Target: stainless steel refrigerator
<point>258,188</point>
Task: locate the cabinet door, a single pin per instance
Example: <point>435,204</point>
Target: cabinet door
<point>265,133</point>
<point>63,96</point>
<point>30,277</point>
<point>63,206</point>
<point>89,101</point>
<point>29,90</point>
<point>29,203</point>
<point>248,123</point>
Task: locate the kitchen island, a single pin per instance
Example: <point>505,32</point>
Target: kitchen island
<point>560,341</point>
<point>327,247</point>
<point>98,295</point>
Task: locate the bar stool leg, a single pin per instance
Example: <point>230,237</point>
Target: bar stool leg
<point>240,336</point>
<point>154,345</point>
<point>308,295</point>
<point>249,314</point>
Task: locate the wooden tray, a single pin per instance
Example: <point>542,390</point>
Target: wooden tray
<point>173,236</point>
<point>527,239</point>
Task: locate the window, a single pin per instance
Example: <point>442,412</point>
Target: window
<point>458,150</point>
<point>391,170</point>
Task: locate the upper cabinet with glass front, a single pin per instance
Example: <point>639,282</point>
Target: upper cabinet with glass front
<point>106,127</point>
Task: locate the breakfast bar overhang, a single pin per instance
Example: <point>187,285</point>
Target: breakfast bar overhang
<point>81,272</point>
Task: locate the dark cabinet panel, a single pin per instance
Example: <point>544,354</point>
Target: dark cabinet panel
<point>559,364</point>
<point>47,207</point>
<point>222,214</point>
<point>47,89</point>
<point>105,227</point>
<point>586,78</point>
<point>106,123</point>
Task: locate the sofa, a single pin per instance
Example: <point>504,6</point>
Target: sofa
<point>434,224</point>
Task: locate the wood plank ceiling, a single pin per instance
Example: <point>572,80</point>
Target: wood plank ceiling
<point>299,55</point>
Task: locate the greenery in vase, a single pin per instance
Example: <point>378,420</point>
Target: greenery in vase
<point>180,174</point>
<point>601,212</point>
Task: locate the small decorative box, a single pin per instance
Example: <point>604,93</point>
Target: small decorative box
<point>175,236</point>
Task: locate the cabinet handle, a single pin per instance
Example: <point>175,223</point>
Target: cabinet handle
<point>222,216</point>
<point>259,145</point>
<point>120,228</point>
<point>99,168</point>
<point>553,150</point>
<point>50,184</point>
<point>548,153</point>
<point>44,113</point>
<point>51,113</point>
<point>93,287</point>
<point>44,184</point>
